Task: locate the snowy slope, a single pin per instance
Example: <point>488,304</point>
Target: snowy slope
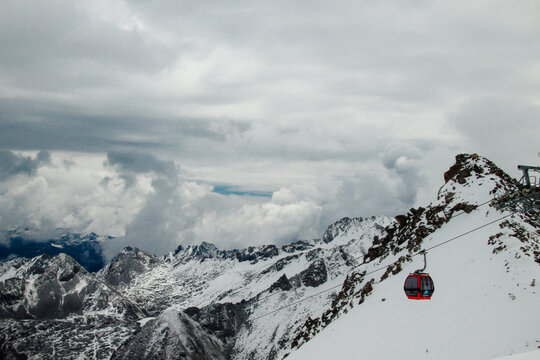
<point>486,300</point>
<point>532,355</point>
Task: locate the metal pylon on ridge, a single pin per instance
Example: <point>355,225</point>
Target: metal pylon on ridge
<point>527,197</point>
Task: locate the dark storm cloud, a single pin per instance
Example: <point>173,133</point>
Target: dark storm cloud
<point>29,125</point>
<point>139,162</point>
<point>12,164</point>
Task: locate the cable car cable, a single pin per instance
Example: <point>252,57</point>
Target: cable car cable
<point>466,233</point>
<point>364,263</point>
<point>452,217</point>
<point>378,269</point>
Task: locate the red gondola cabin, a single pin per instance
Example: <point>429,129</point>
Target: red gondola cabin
<point>419,286</point>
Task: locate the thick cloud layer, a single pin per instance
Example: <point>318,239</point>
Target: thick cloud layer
<point>121,117</point>
<point>12,164</point>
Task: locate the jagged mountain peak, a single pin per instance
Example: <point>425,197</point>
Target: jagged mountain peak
<point>172,335</point>
<point>346,227</point>
<point>475,175</point>
<point>204,250</point>
<point>132,252</point>
<point>207,250</point>
<point>470,182</point>
<point>126,265</point>
<point>62,264</point>
<point>468,165</point>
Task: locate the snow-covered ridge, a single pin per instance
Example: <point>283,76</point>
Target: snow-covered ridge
<point>343,230</point>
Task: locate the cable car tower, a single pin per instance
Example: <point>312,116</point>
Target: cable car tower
<point>527,196</point>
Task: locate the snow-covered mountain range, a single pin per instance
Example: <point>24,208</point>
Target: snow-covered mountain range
<point>340,296</point>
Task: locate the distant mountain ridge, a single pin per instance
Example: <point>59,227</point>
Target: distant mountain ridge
<point>85,249</point>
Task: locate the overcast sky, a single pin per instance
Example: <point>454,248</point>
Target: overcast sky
<point>253,122</point>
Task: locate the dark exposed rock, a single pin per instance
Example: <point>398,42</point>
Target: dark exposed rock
<point>315,274</point>
<point>254,254</point>
<point>221,320</point>
<point>282,283</point>
<point>7,351</point>
<point>401,219</point>
<point>204,250</point>
<point>468,165</point>
<point>314,254</point>
<point>128,264</point>
<point>297,246</point>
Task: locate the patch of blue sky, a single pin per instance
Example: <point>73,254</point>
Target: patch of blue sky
<point>235,190</point>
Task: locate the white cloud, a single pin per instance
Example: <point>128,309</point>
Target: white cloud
<point>76,198</point>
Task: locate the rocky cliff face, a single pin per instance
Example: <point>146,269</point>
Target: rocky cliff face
<point>126,266</point>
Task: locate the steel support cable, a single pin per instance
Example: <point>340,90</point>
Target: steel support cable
<point>356,258</point>
<point>452,217</point>
<point>380,268</point>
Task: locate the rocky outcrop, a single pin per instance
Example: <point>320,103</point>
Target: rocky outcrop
<point>127,265</point>
<point>315,275</point>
